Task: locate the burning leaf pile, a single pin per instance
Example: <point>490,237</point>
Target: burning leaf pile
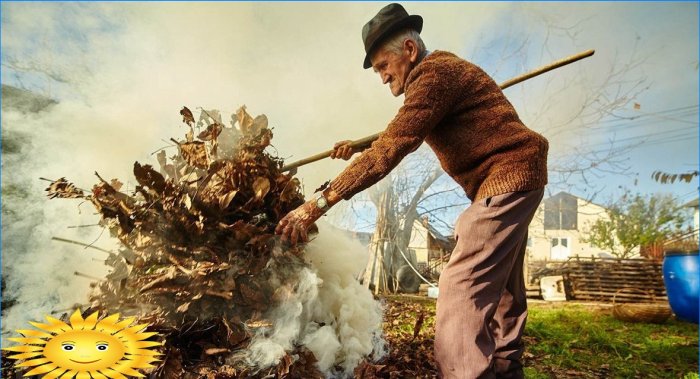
<point>199,259</point>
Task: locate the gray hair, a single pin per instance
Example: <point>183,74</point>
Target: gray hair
<point>394,43</point>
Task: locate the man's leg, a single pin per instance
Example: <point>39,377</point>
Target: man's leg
<point>489,234</point>
<point>509,322</point>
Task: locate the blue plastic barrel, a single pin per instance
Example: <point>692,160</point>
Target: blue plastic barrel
<point>682,280</point>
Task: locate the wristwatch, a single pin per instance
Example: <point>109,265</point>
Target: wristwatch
<point>322,203</point>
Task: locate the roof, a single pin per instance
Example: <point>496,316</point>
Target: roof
<point>564,194</point>
<point>445,243</point>
<point>437,235</point>
<point>691,204</point>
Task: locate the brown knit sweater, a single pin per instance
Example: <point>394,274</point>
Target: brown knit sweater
<point>473,129</point>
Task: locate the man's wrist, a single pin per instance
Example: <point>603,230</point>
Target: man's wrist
<point>326,199</point>
<point>321,203</point>
<point>331,196</point>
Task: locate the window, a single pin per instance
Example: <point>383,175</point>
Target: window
<point>556,241</point>
<point>561,212</point>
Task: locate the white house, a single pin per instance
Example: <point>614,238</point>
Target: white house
<point>428,251</point>
<point>558,227</point>
<point>428,248</point>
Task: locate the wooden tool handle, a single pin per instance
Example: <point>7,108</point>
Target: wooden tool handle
<point>366,141</point>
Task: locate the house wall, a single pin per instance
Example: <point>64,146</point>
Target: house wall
<point>540,240</point>
<point>419,243</point>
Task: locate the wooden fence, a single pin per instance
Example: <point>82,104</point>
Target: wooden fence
<point>625,280</point>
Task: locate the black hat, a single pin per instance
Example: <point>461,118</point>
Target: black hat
<point>390,19</point>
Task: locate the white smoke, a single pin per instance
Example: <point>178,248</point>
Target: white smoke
<point>38,273</point>
<point>329,312</point>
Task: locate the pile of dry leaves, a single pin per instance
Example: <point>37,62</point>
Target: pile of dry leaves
<point>409,325</point>
<point>198,259</point>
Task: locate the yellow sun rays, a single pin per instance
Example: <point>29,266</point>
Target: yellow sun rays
<point>87,348</point>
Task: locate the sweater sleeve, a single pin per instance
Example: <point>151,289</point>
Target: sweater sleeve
<point>429,96</point>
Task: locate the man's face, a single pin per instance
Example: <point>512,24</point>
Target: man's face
<point>394,68</point>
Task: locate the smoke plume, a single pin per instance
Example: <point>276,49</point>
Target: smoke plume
<point>329,311</point>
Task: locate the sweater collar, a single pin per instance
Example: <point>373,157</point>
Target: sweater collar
<point>431,56</point>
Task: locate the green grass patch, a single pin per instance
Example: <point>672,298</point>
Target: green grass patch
<point>568,340</point>
<point>572,340</point>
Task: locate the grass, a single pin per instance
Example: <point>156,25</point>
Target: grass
<point>583,340</point>
<point>569,340</point>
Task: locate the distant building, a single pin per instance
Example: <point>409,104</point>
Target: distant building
<point>428,248</point>
<point>559,226</point>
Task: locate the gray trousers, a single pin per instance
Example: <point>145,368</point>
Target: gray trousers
<point>481,307</point>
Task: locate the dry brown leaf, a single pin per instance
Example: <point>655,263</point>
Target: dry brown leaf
<point>225,200</point>
<point>245,122</point>
<point>419,324</point>
<point>221,294</point>
<point>290,190</point>
<point>183,308</point>
<point>187,116</point>
<point>147,177</point>
<point>235,334</point>
<point>261,186</point>
<point>255,324</point>
<point>323,186</point>
<point>195,154</point>
<point>171,367</point>
<point>211,133</point>
<point>259,123</point>
<point>63,189</point>
<point>116,184</point>
<point>216,350</point>
<point>251,292</point>
<point>162,159</point>
<point>167,276</point>
<point>284,365</point>
<point>187,201</point>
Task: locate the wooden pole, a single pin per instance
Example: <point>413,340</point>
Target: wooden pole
<point>81,244</point>
<point>366,141</point>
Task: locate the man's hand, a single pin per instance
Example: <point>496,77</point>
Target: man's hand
<point>342,150</point>
<point>295,225</point>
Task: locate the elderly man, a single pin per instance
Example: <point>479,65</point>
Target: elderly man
<point>502,166</point>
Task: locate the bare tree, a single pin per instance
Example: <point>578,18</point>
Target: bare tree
<point>409,192</point>
<point>397,201</point>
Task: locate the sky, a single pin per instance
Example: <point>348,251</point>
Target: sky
<point>122,71</point>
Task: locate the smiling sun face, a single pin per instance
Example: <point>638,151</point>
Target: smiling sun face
<point>87,348</point>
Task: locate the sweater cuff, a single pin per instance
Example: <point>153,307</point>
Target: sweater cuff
<point>342,188</point>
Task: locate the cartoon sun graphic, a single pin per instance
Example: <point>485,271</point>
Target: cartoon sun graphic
<point>87,348</point>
